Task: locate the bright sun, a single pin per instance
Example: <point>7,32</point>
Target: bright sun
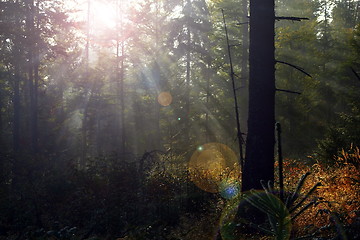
<point>105,18</point>
<point>103,14</point>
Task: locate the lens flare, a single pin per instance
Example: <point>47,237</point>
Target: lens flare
<point>164,99</point>
<point>211,164</point>
<point>229,189</point>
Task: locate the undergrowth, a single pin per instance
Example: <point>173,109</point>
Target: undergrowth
<point>338,197</point>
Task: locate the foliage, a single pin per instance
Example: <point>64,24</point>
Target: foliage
<point>336,198</point>
<point>281,213</point>
<point>108,198</point>
<point>342,136</point>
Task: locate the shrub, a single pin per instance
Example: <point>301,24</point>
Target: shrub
<point>337,197</point>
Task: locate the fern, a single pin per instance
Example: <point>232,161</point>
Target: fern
<point>279,214</point>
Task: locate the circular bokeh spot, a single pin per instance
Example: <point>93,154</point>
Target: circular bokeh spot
<point>237,216</point>
<point>213,164</point>
<point>229,188</point>
<point>165,99</point>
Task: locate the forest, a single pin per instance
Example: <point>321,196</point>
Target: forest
<point>179,119</point>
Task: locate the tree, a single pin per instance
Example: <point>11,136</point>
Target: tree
<point>296,43</point>
<point>259,160</point>
<point>11,48</point>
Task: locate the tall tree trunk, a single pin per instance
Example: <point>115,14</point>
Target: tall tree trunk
<point>160,83</point>
<point>122,99</point>
<point>207,104</point>
<point>17,80</point>
<point>187,90</point>
<point>34,108</point>
<point>117,133</point>
<point>1,124</point>
<point>17,60</point>
<point>16,97</point>
<point>32,73</point>
<point>120,75</point>
<point>160,87</point>
<point>245,43</point>
<point>259,163</point>
<point>34,127</point>
<point>84,140</point>
<point>187,82</point>
<point>244,74</point>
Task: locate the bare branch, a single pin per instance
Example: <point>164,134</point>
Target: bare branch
<point>236,75</point>
<point>356,74</point>
<point>288,91</point>
<point>232,75</point>
<point>291,18</point>
<point>242,23</point>
<point>296,67</point>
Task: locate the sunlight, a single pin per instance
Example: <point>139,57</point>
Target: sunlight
<point>103,21</point>
<point>104,14</point>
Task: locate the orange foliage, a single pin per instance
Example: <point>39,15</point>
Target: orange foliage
<point>339,192</point>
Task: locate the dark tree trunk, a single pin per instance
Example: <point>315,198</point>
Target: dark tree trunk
<point>120,79</point>
<point>34,125</point>
<point>16,98</point>
<point>259,162</point>
<point>35,107</point>
<point>84,141</point>
<point>245,44</point>
<point>33,72</point>
<point>122,99</point>
<point>244,74</point>
<point>30,66</point>
<point>188,79</point>
<point>17,80</point>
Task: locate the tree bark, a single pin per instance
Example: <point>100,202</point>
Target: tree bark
<point>259,162</point>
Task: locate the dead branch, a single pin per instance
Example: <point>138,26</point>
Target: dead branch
<point>356,74</point>
<point>291,18</point>
<point>296,67</point>
<point>242,23</point>
<point>288,91</point>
